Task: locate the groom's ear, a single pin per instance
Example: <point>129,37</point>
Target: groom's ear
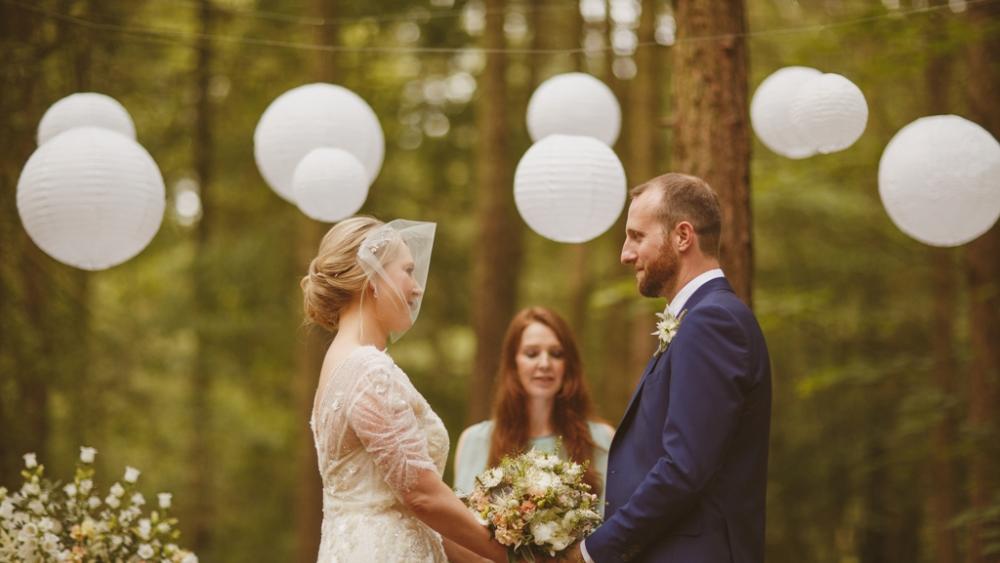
<point>683,236</point>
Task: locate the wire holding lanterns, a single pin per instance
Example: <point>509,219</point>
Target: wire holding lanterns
<point>570,185</point>
<point>798,112</point>
<point>90,196</point>
<point>327,185</point>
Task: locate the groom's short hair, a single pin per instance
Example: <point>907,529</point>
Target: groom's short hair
<point>691,199</point>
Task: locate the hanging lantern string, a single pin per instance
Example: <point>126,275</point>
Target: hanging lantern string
<point>190,38</point>
<point>419,15</point>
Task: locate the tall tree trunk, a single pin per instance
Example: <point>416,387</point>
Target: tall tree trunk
<point>711,121</point>
<point>643,115</point>
<point>202,519</point>
<point>982,267</point>
<point>313,341</point>
<point>26,349</point>
<point>498,239</point>
<point>941,486</point>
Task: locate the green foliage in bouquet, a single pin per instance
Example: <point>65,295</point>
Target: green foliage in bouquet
<point>44,521</point>
<point>536,504</point>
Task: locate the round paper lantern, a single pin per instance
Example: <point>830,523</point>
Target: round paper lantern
<point>91,198</point>
<point>330,184</point>
<point>939,180</point>
<point>769,113</point>
<point>574,104</point>
<point>310,117</point>
<point>569,188</point>
<point>829,112</point>
<point>87,109</point>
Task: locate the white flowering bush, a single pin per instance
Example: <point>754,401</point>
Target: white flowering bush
<point>536,504</point>
<point>47,521</point>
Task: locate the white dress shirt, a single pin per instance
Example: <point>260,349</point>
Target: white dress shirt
<point>676,306</point>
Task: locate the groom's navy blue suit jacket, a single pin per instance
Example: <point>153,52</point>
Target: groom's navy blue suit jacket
<point>687,469</point>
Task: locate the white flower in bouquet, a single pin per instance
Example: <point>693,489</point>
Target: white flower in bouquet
<point>70,490</point>
<point>112,501</point>
<point>543,532</point>
<point>30,461</point>
<point>491,477</point>
<point>131,474</point>
<point>117,490</point>
<point>93,502</point>
<point>87,454</point>
<point>138,499</point>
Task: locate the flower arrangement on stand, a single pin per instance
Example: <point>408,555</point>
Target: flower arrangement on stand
<point>44,521</point>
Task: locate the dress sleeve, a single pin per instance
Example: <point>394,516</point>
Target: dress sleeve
<point>384,421</point>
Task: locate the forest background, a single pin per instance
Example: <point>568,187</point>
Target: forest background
<point>192,362</point>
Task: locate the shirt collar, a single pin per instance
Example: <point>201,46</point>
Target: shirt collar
<point>681,299</point>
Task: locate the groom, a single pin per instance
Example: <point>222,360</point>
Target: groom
<point>687,469</point>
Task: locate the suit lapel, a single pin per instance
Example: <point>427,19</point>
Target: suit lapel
<point>717,284</point>
<point>650,366</point>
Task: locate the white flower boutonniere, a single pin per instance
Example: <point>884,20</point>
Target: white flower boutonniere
<point>666,328</point>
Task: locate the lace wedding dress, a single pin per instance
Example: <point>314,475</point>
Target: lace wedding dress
<point>374,433</point>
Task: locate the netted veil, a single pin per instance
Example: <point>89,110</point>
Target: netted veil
<point>384,244</point>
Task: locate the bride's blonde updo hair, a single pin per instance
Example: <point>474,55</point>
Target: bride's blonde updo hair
<point>335,276</point>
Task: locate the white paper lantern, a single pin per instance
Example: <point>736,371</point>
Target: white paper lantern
<point>87,109</point>
<point>939,180</point>
<point>829,112</point>
<point>574,104</point>
<point>91,198</point>
<point>569,188</point>
<point>770,116</point>
<point>310,117</point>
<point>330,184</point>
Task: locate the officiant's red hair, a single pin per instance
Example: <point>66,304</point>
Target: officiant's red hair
<point>571,411</point>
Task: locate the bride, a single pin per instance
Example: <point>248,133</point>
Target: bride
<point>381,447</point>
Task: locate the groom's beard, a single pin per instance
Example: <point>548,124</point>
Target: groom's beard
<point>661,273</point>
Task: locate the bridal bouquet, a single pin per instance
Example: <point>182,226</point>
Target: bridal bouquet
<point>44,521</point>
<point>536,504</point>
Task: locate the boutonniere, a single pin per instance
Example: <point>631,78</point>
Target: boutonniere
<point>666,328</point>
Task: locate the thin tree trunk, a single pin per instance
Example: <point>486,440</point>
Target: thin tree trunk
<point>313,341</point>
<point>941,486</point>
<point>498,239</point>
<point>202,520</point>
<point>711,121</point>
<point>83,387</point>
<point>982,268</point>
<point>643,116</point>
<point>578,255</point>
